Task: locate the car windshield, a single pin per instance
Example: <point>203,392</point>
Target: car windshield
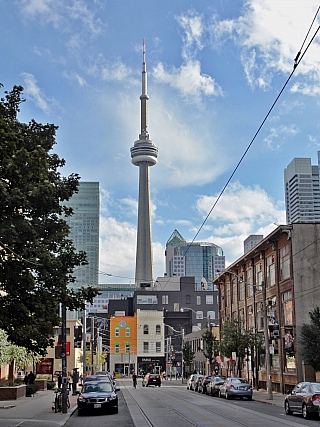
<point>218,379</point>
<point>238,380</point>
<point>97,387</point>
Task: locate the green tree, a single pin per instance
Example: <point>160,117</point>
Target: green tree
<point>187,354</point>
<point>234,338</point>
<point>210,346</point>
<point>37,258</point>
<point>310,340</point>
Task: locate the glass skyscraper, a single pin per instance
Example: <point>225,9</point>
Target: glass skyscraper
<point>84,231</point>
<point>202,260</point>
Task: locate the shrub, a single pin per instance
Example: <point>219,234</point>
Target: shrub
<point>50,385</point>
<point>31,389</point>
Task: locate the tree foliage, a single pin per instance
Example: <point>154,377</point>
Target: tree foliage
<point>310,340</point>
<point>234,338</point>
<point>37,258</point>
<point>210,345</point>
<point>187,353</point>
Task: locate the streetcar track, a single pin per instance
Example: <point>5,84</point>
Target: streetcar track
<point>198,412</point>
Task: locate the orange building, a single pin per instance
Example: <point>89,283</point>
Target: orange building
<point>123,344</point>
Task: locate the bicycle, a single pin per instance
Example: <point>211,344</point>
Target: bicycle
<point>58,400</point>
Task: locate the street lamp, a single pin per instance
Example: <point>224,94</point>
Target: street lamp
<point>265,328</point>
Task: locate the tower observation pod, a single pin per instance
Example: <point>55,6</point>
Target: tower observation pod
<point>144,154</point>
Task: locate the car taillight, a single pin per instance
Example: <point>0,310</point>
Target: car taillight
<point>316,397</point>
<point>231,386</point>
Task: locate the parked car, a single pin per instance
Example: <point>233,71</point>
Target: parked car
<point>190,381</point>
<point>90,378</point>
<point>21,375</point>
<point>213,386</point>
<point>151,379</point>
<point>202,384</point>
<point>236,387</point>
<point>304,398</point>
<point>196,381</point>
<point>99,396</point>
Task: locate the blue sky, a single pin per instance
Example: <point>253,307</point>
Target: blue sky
<point>214,70</point>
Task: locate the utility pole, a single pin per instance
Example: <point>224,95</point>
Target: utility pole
<point>92,345</point>
<point>266,340</point>
<point>84,342</point>
<point>64,358</point>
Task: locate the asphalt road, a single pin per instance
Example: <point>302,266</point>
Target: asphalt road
<point>173,406</point>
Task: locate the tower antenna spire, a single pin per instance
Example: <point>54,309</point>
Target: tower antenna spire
<point>144,97</point>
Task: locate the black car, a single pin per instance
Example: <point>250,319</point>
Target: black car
<point>213,386</point>
<point>202,385</point>
<point>151,379</point>
<point>97,396</point>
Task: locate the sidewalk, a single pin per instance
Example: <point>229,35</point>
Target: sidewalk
<point>38,407</point>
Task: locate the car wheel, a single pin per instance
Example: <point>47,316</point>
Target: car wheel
<point>305,412</point>
<point>249,397</point>
<point>116,410</point>
<point>227,396</point>
<point>287,408</point>
<point>80,412</point>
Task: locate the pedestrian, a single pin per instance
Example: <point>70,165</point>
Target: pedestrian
<point>25,380</point>
<point>31,377</point>
<point>134,380</point>
<point>75,379</point>
<point>69,381</point>
<point>81,379</point>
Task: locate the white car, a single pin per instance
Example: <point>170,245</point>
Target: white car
<point>21,375</point>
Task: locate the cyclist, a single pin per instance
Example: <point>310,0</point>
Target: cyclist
<point>134,379</point>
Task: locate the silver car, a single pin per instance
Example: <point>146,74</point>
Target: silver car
<point>236,387</point>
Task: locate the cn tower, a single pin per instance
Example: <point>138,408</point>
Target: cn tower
<point>144,154</point>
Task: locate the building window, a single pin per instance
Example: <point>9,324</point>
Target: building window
<point>198,300</point>
<point>209,299</point>
<point>199,315</point>
<point>127,331</point>
<point>158,329</point>
<point>284,263</point>
<point>287,308</point>
<point>127,348</point>
<point>145,347</point>
<point>271,271</point>
<point>188,299</point>
<point>145,329</point>
<point>242,288</point>
<point>147,299</point>
<point>117,348</point>
<point>211,315</point>
<point>165,299</point>
<point>117,331</point>
<point>158,347</point>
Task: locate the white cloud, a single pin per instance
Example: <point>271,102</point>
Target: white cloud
<point>188,80</point>
<point>241,211</point>
<point>36,94</point>
<point>278,135</point>
<point>241,204</point>
<point>118,252</point>
<point>111,71</point>
<point>192,25</point>
<point>270,34</point>
<point>69,16</point>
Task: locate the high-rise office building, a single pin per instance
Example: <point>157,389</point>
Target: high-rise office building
<point>201,260</point>
<point>144,154</point>
<point>302,191</point>
<point>84,231</point>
